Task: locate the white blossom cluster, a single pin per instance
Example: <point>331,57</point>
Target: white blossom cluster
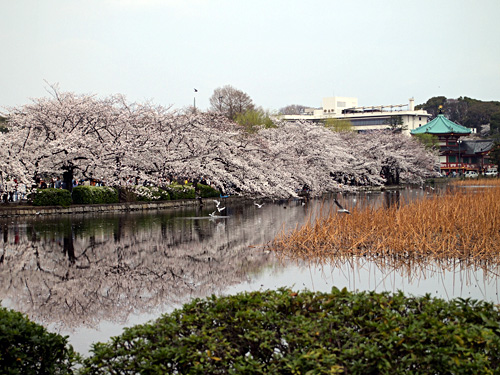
<point>150,193</point>
<point>112,140</point>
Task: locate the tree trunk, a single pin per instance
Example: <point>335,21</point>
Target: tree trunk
<point>68,178</point>
<point>197,192</point>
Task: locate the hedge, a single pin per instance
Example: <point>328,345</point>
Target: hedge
<point>286,332</point>
<point>208,191</point>
<point>187,191</point>
<point>106,194</point>
<point>28,348</point>
<point>94,195</point>
<point>181,191</point>
<point>52,197</point>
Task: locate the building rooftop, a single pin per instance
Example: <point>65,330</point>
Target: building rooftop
<point>441,125</point>
<point>477,146</point>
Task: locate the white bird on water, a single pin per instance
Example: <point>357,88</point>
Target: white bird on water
<point>258,205</point>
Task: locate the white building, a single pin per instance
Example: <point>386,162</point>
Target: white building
<point>365,118</point>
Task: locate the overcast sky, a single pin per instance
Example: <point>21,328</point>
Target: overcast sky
<point>279,52</point>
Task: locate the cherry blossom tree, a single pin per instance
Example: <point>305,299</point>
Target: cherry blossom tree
<point>395,157</point>
<point>306,154</point>
<point>331,161</point>
<point>221,151</point>
<point>63,134</point>
<point>112,140</point>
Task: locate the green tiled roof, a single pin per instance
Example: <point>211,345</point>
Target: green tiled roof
<point>441,125</point>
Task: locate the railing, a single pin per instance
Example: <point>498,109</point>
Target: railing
<point>465,166</point>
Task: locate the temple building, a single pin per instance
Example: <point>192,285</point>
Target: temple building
<point>457,154</point>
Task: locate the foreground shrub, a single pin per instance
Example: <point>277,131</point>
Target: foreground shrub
<point>27,347</point>
<point>94,195</point>
<point>52,197</point>
<point>284,332</point>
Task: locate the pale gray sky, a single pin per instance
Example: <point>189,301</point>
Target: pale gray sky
<point>279,52</point>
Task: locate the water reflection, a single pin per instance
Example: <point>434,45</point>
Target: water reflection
<point>458,280</point>
<point>81,270</point>
<point>72,272</point>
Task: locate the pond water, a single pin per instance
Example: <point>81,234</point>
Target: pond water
<point>88,276</point>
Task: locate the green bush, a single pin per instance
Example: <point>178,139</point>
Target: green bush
<point>181,191</point>
<point>177,191</point>
<point>52,197</point>
<point>106,194</point>
<point>27,347</point>
<point>208,191</point>
<point>94,195</point>
<point>284,332</point>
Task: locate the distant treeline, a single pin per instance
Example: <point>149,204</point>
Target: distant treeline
<point>465,111</point>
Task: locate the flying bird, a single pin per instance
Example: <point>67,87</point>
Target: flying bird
<point>258,205</point>
<point>341,209</point>
<point>217,204</point>
<point>213,214</point>
<point>195,90</point>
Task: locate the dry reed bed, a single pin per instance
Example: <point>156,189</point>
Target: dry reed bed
<point>461,225</point>
<point>477,181</point>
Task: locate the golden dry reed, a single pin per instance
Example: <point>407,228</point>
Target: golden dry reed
<point>477,181</point>
<point>463,225</point>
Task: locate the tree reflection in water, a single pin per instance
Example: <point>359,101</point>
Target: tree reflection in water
<point>81,270</point>
<point>76,271</point>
